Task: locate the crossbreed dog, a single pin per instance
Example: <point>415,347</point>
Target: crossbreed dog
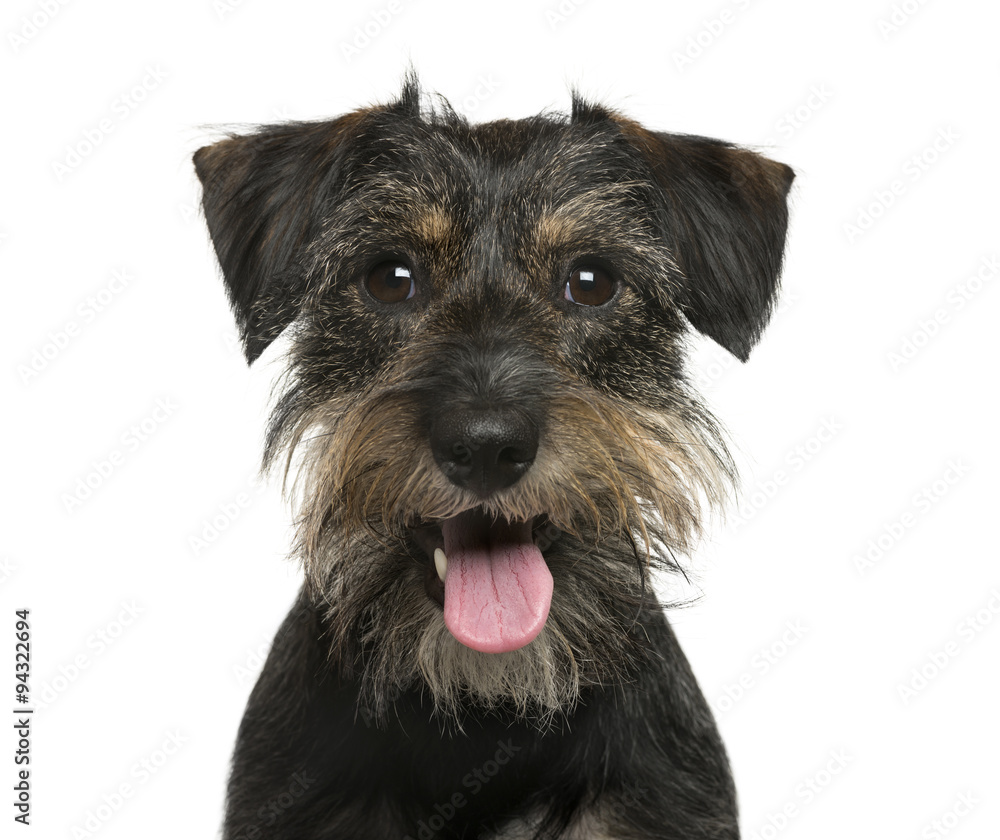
<point>495,445</point>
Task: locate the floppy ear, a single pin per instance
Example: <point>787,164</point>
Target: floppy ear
<point>726,215</point>
<point>263,194</point>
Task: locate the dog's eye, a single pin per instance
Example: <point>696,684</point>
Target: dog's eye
<point>390,282</point>
<point>589,286</point>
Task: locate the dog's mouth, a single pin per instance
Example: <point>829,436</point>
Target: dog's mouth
<point>490,577</point>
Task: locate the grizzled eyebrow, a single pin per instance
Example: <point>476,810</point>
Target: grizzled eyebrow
<point>434,225</point>
<point>608,210</point>
<point>375,221</point>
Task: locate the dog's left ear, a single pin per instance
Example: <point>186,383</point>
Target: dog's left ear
<point>726,218</point>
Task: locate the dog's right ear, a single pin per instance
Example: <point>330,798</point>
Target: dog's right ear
<point>264,195</point>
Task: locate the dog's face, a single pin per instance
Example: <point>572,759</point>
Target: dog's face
<point>486,381</point>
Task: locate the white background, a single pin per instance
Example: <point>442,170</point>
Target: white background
<point>867,415</point>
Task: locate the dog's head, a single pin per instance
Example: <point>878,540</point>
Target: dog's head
<point>486,379</point>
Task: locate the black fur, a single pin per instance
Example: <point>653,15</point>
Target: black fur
<point>343,737</point>
<point>651,742</point>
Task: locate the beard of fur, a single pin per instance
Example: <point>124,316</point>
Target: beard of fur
<point>625,486</point>
<point>393,638</point>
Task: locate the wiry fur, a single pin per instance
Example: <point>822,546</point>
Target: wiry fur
<point>621,486</point>
<point>366,687</point>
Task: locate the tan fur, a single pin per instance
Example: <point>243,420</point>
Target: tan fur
<point>607,473</point>
<point>434,226</point>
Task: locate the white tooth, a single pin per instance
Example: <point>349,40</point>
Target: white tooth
<point>440,563</point>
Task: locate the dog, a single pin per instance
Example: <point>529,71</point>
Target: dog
<point>492,445</point>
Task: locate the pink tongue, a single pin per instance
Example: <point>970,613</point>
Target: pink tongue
<point>497,590</point>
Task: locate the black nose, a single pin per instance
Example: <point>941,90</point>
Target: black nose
<point>484,450</point>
